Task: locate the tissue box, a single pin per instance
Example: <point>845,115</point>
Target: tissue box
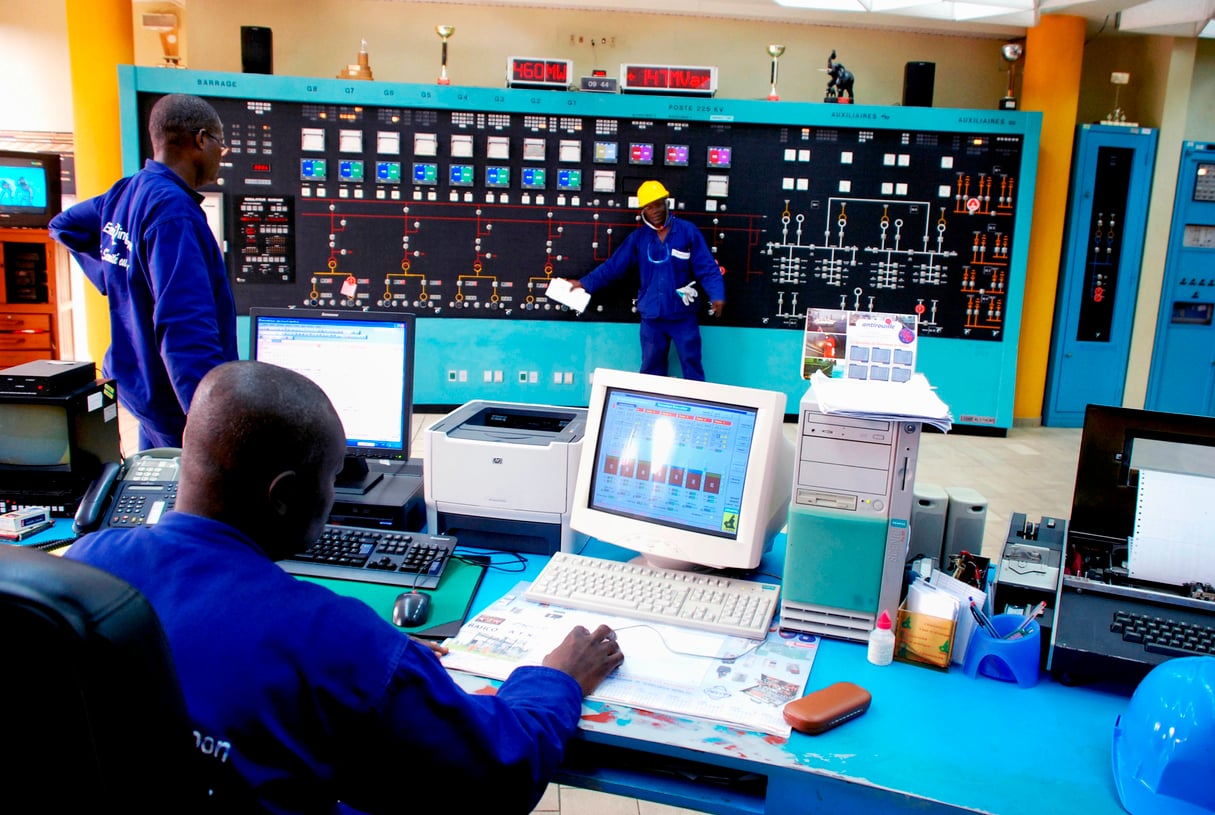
<point>923,639</point>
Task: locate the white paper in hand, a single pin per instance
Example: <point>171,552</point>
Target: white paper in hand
<point>559,289</point>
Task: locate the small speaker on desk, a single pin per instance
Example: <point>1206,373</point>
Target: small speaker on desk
<point>256,50</point>
<point>929,507</point>
<point>964,523</point>
<point>918,80</point>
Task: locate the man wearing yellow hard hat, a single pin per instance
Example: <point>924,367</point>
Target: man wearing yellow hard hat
<point>672,258</point>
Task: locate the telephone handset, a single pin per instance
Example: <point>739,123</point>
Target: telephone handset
<point>135,493</point>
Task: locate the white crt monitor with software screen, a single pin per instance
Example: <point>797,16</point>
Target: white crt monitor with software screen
<point>689,474</point>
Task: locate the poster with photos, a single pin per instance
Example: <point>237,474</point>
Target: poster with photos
<point>863,345</point>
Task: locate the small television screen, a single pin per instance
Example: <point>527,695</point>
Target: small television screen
<point>29,188</point>
<point>34,435</point>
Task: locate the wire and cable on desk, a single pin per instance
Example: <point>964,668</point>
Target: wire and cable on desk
<point>514,563</point>
<point>51,545</point>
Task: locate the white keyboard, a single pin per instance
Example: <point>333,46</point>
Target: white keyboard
<point>741,608</point>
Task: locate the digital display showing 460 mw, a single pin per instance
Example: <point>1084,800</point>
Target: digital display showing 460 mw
<point>528,72</point>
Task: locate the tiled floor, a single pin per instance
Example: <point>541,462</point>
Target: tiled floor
<point>1031,470</point>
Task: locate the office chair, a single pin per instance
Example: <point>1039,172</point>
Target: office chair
<point>91,713</point>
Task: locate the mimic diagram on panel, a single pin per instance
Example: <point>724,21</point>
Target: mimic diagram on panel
<point>894,253</point>
<point>451,261</point>
<point>474,213</point>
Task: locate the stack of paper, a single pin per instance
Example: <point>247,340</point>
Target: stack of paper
<point>666,667</point>
<point>963,593</point>
<point>914,400</point>
<point>560,290</point>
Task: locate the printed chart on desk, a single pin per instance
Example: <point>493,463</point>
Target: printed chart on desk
<point>666,668</point>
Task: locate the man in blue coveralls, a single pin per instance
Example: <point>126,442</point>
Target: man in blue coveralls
<point>301,700</point>
<point>146,245</point>
<point>671,256</point>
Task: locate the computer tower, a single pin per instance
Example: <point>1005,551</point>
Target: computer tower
<point>849,522</point>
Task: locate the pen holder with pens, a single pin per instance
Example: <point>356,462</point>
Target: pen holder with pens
<point>1009,660</point>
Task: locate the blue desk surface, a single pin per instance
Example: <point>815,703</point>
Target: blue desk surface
<point>931,741</point>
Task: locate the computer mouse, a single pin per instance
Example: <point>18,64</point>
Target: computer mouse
<point>411,609</point>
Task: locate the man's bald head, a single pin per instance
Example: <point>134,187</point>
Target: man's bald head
<point>261,448</point>
<point>175,119</point>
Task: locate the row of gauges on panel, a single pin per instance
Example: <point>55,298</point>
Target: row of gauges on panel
<point>459,175</point>
<point>464,175</point>
<point>498,148</point>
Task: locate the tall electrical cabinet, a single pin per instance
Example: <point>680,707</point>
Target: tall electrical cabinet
<point>1182,378</point>
<point>1099,272</point>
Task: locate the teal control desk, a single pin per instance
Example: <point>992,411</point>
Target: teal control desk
<point>931,742</point>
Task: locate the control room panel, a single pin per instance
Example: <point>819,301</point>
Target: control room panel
<point>463,203</point>
<point>471,212</point>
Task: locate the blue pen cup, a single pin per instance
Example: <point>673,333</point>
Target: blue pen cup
<point>1006,660</point>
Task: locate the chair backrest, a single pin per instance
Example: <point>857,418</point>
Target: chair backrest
<point>91,712</point>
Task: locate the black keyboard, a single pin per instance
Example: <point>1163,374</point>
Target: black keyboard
<point>410,559</point>
<point>1160,635</point>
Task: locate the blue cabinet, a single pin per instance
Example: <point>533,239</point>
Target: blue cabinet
<point>1099,270</point>
<point>1182,379</point>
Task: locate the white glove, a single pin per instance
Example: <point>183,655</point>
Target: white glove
<point>688,293</point>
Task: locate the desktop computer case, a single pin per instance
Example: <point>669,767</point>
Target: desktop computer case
<point>849,522</point>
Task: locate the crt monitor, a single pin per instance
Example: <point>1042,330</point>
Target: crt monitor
<point>29,188</point>
<point>363,361</point>
<point>689,474</point>
<point>53,446</point>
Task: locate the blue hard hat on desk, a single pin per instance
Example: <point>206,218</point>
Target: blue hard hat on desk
<point>1164,744</point>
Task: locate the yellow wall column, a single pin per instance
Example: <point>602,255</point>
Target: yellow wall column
<point>1054,50</point>
<point>99,40</point>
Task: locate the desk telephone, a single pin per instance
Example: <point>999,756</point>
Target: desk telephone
<point>136,492</point>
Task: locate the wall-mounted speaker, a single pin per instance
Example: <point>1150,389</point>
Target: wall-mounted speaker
<point>918,81</point>
<point>964,523</point>
<point>256,50</point>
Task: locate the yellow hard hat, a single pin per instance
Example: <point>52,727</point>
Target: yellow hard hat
<point>651,191</point>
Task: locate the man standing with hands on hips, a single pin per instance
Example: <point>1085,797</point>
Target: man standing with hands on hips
<point>671,257</point>
<point>146,245</point>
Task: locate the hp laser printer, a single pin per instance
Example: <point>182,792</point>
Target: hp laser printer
<point>500,475</point>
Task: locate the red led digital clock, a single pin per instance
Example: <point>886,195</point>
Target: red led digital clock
<point>528,72</point>
<point>689,80</point>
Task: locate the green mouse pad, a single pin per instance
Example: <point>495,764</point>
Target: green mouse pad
<point>449,603</point>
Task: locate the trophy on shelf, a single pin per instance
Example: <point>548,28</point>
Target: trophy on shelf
<point>1011,52</point>
<point>444,32</point>
<point>774,51</point>
<point>360,69</point>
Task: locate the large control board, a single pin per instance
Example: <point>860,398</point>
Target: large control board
<point>463,203</point>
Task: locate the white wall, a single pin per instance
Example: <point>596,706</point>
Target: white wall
<point>404,47</point>
<point>36,81</point>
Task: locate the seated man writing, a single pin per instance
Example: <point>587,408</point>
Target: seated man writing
<point>306,698</point>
